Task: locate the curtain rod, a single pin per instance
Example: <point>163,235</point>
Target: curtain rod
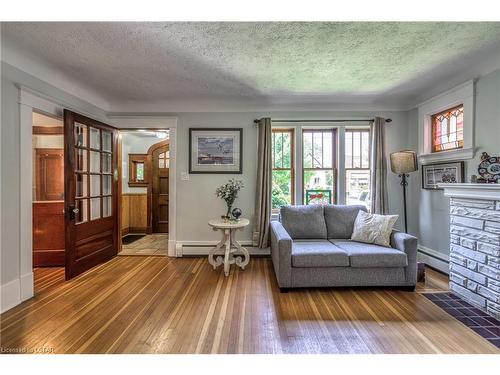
<point>367,120</point>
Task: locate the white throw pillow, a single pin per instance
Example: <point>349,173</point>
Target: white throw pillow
<point>373,228</point>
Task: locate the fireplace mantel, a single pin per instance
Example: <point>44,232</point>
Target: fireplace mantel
<point>472,191</point>
<point>475,244</point>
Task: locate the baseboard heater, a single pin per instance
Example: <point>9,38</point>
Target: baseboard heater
<point>203,249</point>
<point>437,262</point>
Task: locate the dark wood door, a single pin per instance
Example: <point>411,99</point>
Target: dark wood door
<point>90,191</point>
<point>49,171</point>
<point>48,234</point>
<point>160,189</point>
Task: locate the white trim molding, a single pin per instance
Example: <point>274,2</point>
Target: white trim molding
<point>10,294</point>
<point>124,122</point>
<point>472,191</point>
<point>462,94</point>
<point>191,248</point>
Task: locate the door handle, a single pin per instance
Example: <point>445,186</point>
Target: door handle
<point>72,210</point>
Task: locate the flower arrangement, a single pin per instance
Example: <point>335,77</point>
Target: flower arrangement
<point>229,193</point>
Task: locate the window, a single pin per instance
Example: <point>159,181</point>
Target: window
<point>357,166</point>
<point>283,171</point>
<point>317,174</point>
<point>137,170</point>
<point>318,165</point>
<point>163,160</point>
<point>447,129</point>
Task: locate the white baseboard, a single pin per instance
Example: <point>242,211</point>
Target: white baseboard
<point>27,282</point>
<point>203,247</point>
<point>16,291</point>
<point>434,259</point>
<point>10,295</point>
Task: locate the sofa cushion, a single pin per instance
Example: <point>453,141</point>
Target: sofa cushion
<point>365,255</point>
<point>340,219</point>
<point>304,222</point>
<point>318,254</point>
<point>373,228</point>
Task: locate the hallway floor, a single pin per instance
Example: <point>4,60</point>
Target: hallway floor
<point>150,244</point>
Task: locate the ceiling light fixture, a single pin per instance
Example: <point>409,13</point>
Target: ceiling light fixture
<point>161,135</point>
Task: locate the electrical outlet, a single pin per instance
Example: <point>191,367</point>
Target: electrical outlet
<point>184,176</point>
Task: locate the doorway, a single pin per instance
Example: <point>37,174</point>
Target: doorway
<point>31,101</point>
<point>145,192</point>
<point>160,175</point>
<point>47,191</point>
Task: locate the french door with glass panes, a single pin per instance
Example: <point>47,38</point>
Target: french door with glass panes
<point>90,191</point>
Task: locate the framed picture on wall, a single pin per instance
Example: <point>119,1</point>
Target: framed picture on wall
<point>434,174</point>
<point>215,150</point>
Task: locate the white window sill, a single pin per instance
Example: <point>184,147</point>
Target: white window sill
<point>445,156</point>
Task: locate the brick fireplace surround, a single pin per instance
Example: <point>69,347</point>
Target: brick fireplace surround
<point>475,244</point>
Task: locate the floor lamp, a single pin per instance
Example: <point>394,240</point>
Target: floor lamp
<point>402,163</point>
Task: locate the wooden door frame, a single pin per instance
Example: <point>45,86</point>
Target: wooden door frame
<point>30,100</point>
<point>154,123</point>
<point>149,169</point>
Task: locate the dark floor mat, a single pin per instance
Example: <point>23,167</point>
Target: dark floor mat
<point>477,320</point>
<point>129,238</point>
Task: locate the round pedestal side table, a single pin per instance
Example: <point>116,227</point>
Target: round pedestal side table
<point>229,244</point>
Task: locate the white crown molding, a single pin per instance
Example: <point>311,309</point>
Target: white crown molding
<point>144,121</point>
<point>34,66</point>
<point>445,156</point>
<point>472,191</point>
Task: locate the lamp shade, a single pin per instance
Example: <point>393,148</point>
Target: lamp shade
<point>404,162</point>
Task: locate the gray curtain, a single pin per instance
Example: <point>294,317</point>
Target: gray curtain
<point>264,185</point>
<point>378,174</point>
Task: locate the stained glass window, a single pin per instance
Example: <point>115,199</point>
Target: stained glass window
<point>139,171</point>
<point>447,129</point>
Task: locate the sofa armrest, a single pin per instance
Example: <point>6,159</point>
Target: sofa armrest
<point>281,253</point>
<point>409,244</point>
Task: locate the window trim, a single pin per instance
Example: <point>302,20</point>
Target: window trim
<point>133,160</point>
<point>461,94</point>
<point>334,168</point>
<point>292,163</point>
<point>359,129</point>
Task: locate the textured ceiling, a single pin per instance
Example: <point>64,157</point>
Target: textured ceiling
<point>271,62</point>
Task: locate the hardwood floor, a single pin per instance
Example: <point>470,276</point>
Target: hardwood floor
<point>181,305</point>
<point>150,244</point>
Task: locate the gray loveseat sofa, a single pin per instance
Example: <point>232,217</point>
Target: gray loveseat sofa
<point>311,247</point>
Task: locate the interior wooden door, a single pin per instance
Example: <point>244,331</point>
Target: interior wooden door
<point>49,165</point>
<point>90,192</point>
<point>160,181</point>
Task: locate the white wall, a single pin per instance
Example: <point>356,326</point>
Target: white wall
<point>196,199</point>
<point>429,210</point>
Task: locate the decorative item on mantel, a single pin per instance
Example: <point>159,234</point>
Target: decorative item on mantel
<point>489,169</point>
<point>229,192</point>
